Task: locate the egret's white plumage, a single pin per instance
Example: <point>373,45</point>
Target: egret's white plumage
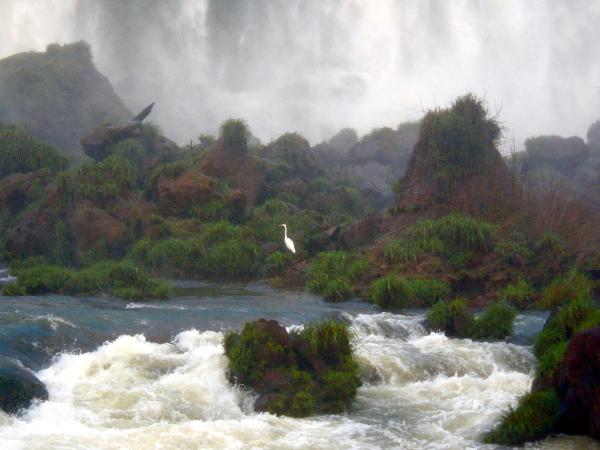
<point>288,242</point>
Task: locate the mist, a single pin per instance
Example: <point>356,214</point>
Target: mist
<point>316,66</point>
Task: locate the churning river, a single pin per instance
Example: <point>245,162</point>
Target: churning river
<point>153,375</point>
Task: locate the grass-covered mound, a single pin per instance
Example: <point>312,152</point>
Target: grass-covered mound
<point>457,320</point>
<point>20,152</point>
<point>551,344</point>
<point>121,279</point>
<point>566,378</point>
<point>454,237</point>
<point>331,274</point>
<point>534,418</point>
<point>298,374</point>
<point>215,250</point>
<point>395,292</point>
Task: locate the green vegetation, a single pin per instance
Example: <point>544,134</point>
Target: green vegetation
<point>277,261</point>
<point>395,292</point>
<point>102,182</point>
<point>453,318</point>
<point>20,152</point>
<point>309,371</point>
<point>519,294</point>
<point>457,320</point>
<point>218,249</point>
<point>496,322</point>
<point>534,418</point>
<point>456,237</point>
<point>234,133</point>
<point>550,345</point>
<point>567,288</point>
<point>122,279</point>
<point>331,274</point>
<point>457,140</point>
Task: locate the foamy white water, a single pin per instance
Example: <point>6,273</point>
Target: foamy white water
<point>420,391</point>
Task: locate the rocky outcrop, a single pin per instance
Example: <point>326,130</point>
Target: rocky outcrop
<point>293,150</point>
<point>91,226</point>
<point>96,144</point>
<point>563,155</point>
<point>373,164</point>
<point>59,95</point>
<point>456,149</point>
<point>19,387</point>
<point>296,374</point>
<point>176,196</point>
<point>20,189</point>
<point>33,231</point>
<point>241,170</point>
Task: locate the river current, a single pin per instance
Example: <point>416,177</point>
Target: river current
<point>149,375</point>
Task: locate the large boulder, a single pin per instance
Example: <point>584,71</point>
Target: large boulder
<point>294,373</point>
<point>563,155</point>
<point>240,169</point>
<point>96,144</point>
<point>578,385</point>
<point>59,95</point>
<point>91,226</point>
<point>19,387</point>
<point>293,150</point>
<point>192,188</point>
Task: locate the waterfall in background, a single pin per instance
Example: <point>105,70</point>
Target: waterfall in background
<point>315,66</point>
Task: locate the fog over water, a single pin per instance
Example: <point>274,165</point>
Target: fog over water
<point>315,66</point>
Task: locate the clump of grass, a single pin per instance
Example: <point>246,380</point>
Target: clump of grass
<point>20,152</point>
<point>519,294</point>
<point>567,288</point>
<point>534,418</point>
<point>496,322</point>
<point>453,318</point>
<point>456,232</point>
<point>332,274</point>
<point>278,261</point>
<point>457,320</point>
<point>395,292</point>
<point>456,141</point>
<point>402,250</point>
<point>550,344</point>
<point>234,134</point>
<point>102,182</point>
<point>122,279</point>
<point>456,237</point>
<point>219,249</point>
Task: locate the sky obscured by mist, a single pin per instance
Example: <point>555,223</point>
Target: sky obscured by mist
<point>315,66</point>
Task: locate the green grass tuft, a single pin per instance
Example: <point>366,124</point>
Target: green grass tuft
<point>332,273</point>
<point>534,418</point>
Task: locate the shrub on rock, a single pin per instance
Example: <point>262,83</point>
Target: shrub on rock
<point>297,374</point>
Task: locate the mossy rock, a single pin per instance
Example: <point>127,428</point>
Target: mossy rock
<point>296,374</point>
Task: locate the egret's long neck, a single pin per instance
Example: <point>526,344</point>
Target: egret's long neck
<point>285,232</point>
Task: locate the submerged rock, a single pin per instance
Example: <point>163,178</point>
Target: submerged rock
<point>296,374</point>
<point>18,387</point>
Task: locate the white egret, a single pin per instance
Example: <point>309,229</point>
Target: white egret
<point>288,242</point>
